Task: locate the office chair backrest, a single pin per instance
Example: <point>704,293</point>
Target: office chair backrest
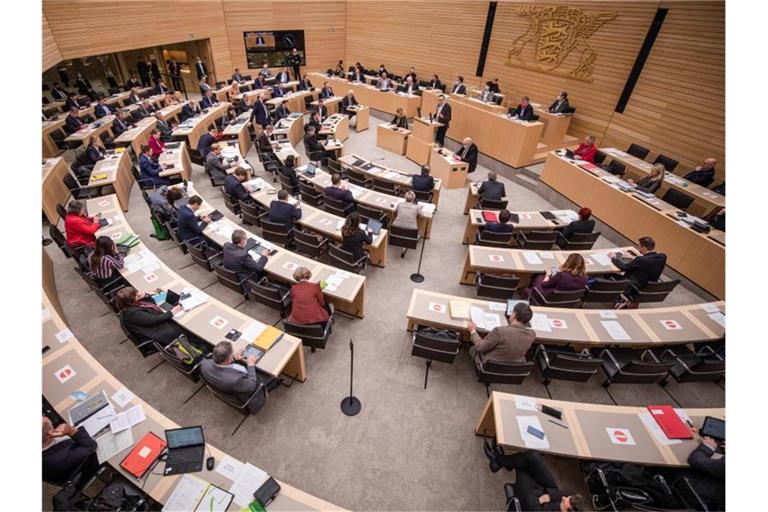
<point>311,335</point>
<point>386,187</point>
<point>71,183</point>
<point>668,163</point>
<point>61,210</point>
<point>199,255</point>
<point>574,362</point>
<point>251,213</point>
<point>655,291</point>
<point>492,204</point>
<point>344,259</point>
<point>230,202</point>
<point>367,212</point>
<point>58,237</point>
<point>334,166</point>
<point>677,199</point>
<point>616,168</point>
<point>334,206</point>
<point>581,241</point>
<point>310,244</point>
<point>599,157</point>
<point>271,294</point>
<point>228,278</point>
<point>402,237</point>
<point>487,238</point>
<point>569,110</point>
<point>358,178</point>
<point>534,117</point>
<point>499,280</point>
<point>276,228</point>
<point>435,344</point>
<point>564,299</point>
<point>423,196</point>
<point>505,373</point>
<point>604,290</point>
<point>638,151</point>
<point>540,236</point>
<point>286,185</point>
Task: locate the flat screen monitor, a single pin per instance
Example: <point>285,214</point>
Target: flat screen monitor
<point>273,47</point>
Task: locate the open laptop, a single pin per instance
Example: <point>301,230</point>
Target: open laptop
<point>171,300</point>
<point>310,170</point>
<point>568,153</point>
<point>375,226</point>
<point>186,449</point>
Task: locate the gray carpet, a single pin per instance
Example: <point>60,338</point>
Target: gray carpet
<point>409,448</point>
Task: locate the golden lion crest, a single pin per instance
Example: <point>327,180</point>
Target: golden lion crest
<point>553,33</point>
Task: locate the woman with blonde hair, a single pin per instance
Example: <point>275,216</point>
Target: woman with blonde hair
<point>407,215</point>
<point>234,91</point>
<point>652,182</point>
<point>308,304</point>
<point>570,277</point>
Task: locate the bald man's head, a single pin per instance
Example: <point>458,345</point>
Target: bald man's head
<point>467,141</point>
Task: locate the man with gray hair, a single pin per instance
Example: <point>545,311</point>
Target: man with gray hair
<point>237,259</point>
<point>229,373</point>
<point>67,449</point>
<point>506,343</point>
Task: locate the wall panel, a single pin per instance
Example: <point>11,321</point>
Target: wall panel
<point>51,53</point>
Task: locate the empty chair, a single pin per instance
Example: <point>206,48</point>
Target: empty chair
<point>599,157</point>
<point>359,179</point>
<point>313,336</point>
<point>638,151</point>
<point>492,204</point>
<point>622,365</point>
<point>386,187</point>
<point>668,163</point>
<point>366,212</point>
<point>335,167</point>
<point>334,206</point>
<point>423,196</point>
<point>435,345</point>
<point>174,233</point>
<point>77,191</point>
<point>405,238</point>
<point>277,232</point>
<point>345,260</point>
<point>58,137</point>
<point>687,496</point>
<point>616,168</point>
<point>496,286</point>
<point>653,292</point>
<point>565,364</point>
<point>577,241</point>
<point>604,291</point>
<point>230,202</point>
<point>252,213</point>
<point>310,195</point>
<point>677,199</point>
<point>195,156</point>
<point>270,294</point>
<point>203,256</point>
<point>229,279</point>
<point>311,244</point>
<point>690,366</point>
<point>557,298</point>
<point>495,372</point>
<point>492,239</point>
<point>536,240</point>
<point>61,241</point>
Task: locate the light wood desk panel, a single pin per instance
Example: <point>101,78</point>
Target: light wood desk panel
<point>370,96</point>
<point>391,138</point>
<point>192,129</point>
<point>54,190</point>
<point>137,136</point>
<point>527,221</point>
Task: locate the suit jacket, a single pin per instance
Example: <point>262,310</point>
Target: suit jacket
<point>307,303</point>
<point>345,196</point>
<point>74,123</point>
<point>311,144</point>
<point>264,143</point>
<point>290,173</point>
<point>649,185</point>
<point>69,103</point>
<point>346,102</point>
<point>147,321</point>
<point>236,259</point>
<point>214,164</point>
<point>260,113</point>
<point>494,88</point>
<point>707,475</point>
<point>102,110</point>
<point>118,127</point>
<point>164,128</point>
<point>277,91</point>
<point>643,269</point>
<point>204,144</point>
<point>160,89</point>
<point>422,183</point>
<point>323,111</point>
<point>133,99</point>
<point>578,226</point>
<point>443,116</point>
<point>354,243</point>
<point>145,111</point>
<point>61,460</point>
<point>234,382</point>
<point>174,69</point>
<point>524,114</point>
<point>234,188</point>
<point>469,155</point>
<point>326,92</point>
<point>281,112</point>
<point>492,190</point>
<point>435,84</point>
<point>559,108</point>
<point>131,83</point>
<point>282,212</point>
<point>358,77</point>
<point>94,153</point>
<point>459,89</point>
<point>506,343</point>
<point>283,77</point>
<point>58,94</point>
<point>208,102</point>
<point>414,88</point>
<point>534,479</point>
<point>400,121</point>
<point>189,226</point>
<point>701,177</point>
<point>142,67</point>
<point>305,85</point>
<point>150,170</point>
<point>201,70</point>
<point>562,282</point>
<point>237,77</point>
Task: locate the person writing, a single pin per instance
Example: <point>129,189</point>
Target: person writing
<point>645,268</point>
<point>502,225</point>
<point>231,374</point>
<point>105,261</point>
<point>236,259</point>
<point>234,185</point>
<point>190,228</point>
<point>570,277</point>
<point>584,225</point>
<point>506,343</point>
<point>586,150</point>
<point>704,174</point>
<point>423,182</point>
<point>283,212</point>
<point>560,105</point>
<point>652,182</point>
<point>492,189</point>
<point>308,304</point>
<point>353,238</point>
<point>407,213</point>
<point>149,168</point>
<point>79,228</point>
<point>468,153</point>
<point>524,110</point>
<point>400,121</point>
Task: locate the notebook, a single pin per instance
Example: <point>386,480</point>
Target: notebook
<point>269,337</point>
<point>143,455</point>
<point>670,422</point>
<point>490,217</point>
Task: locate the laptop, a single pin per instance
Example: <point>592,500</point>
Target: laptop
<point>251,244</point>
<point>375,226</point>
<point>186,448</point>
<point>511,303</point>
<point>310,169</point>
<point>171,299</point>
<point>216,215</point>
<point>568,153</point>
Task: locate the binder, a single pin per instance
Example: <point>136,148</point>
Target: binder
<point>143,455</point>
<point>267,338</point>
<point>490,217</point>
<point>670,422</point>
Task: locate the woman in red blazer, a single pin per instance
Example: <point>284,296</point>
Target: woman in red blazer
<point>156,145</point>
<point>586,150</point>
<point>80,229</point>
<point>308,303</point>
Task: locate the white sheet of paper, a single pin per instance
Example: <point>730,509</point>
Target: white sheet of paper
<point>608,314</point>
<point>253,331</point>
<point>525,403</point>
<point>601,258</point>
<point>497,306</point>
<point>532,258</point>
<point>615,330</point>
<point>653,427</point>
<point>229,467</point>
<point>477,316</point>
<point>709,308</point>
<point>109,444</point>
<point>547,256</point>
<point>718,317</point>
<point>529,440</point>
<point>248,481</point>
<point>46,314</point>
<point>214,499</point>
<point>540,323</point>
<point>99,420</point>
<point>64,335</point>
<point>127,419</point>
<point>123,397</point>
<point>491,321</point>
<point>186,494</point>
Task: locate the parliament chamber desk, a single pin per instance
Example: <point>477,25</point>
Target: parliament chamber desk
<point>333,104</point>
<point>526,221</point>
<point>448,167</point>
<point>171,111</point>
<point>50,149</point>
<point>401,179</point>
<point>348,296</point>
<point>222,93</point>
<point>116,169</point>
<point>239,131</point>
<point>371,96</point>
<point>295,99</point>
<point>336,126</point>
<point>137,136</point>
<point>362,115</point>
<point>392,138</point>
<point>526,263</point>
<point>209,321</point>
<point>704,200</point>
<point>373,199</point>
<point>94,129</point>
<point>482,105</point>
<point>251,96</point>
<point>555,126</point>
<point>420,142</point>
<point>697,256</point>
<point>322,222</point>
<point>92,378</point>
<point>54,190</point>
<point>507,140</point>
<point>625,434</point>
<point>177,157</point>
<point>192,129</point>
<point>584,328</point>
<point>291,127</point>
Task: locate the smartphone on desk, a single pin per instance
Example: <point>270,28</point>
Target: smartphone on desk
<point>535,432</point>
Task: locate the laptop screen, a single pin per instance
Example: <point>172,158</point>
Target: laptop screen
<point>183,437</point>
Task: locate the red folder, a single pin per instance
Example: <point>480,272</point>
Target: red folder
<point>490,217</point>
<point>670,422</point>
<point>143,455</point>
<point>587,165</point>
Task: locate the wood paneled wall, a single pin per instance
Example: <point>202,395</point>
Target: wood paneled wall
<point>51,53</point>
<point>324,25</point>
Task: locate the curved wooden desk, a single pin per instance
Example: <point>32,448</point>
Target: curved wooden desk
<point>527,221</point>
<point>192,129</point>
<point>371,96</point>
<point>138,135</point>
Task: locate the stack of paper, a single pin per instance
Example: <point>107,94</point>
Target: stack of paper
<point>540,323</point>
<point>459,309</point>
<point>186,495</point>
<point>126,420</point>
<point>427,208</point>
<point>109,444</point>
<point>253,331</point>
<point>532,258</point>
<point>615,330</point>
<point>247,482</point>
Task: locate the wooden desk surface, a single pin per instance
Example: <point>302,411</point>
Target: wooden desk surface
<point>400,178</point>
<point>155,274</point>
<point>585,432</point>
<point>94,128</point>
<point>586,327</point>
<point>371,96</point>
<point>194,127</point>
<point>699,257</point>
<point>292,127</point>
<point>138,135</point>
<point>179,158</point>
<point>526,221</point>
<point>54,191</point>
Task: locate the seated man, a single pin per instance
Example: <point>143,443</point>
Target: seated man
<point>503,225</point>
<point>321,110</point>
<point>524,110</point>
<point>214,162</point>
<point>707,474</point>
<point>58,93</point>
<point>120,124</point>
<point>409,86</point>
<point>94,151</point>
<point>423,182</point>
<point>67,450</point>
<point>349,101</point>
<point>339,192</point>
<point>326,92</point>
<point>704,174</point>
<point>228,373</point>
<point>208,100</point>
<point>72,102</point>
<point>305,84</point>
<point>535,485</point>
<point>150,169</point>
<point>282,111</point>
<point>207,140</point>
<point>584,225</point>
<point>190,228</point>
<point>468,153</point>
<point>73,121</point>
<point>645,268</point>
<point>166,130</point>
<point>146,108</point>
<point>283,212</point>
<point>102,109</point>
<point>283,76</point>
<point>233,185</point>
<point>506,343</point>
<point>312,145</point>
<point>288,170</point>
<point>492,189</point>
<point>264,140</point>
<point>236,258</point>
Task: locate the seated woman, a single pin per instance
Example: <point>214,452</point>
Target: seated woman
<point>155,143</point>
<point>309,306</point>
<point>584,225</point>
<point>400,120</point>
<point>586,150</point>
<point>80,229</point>
<point>353,237</point>
<point>503,225</point>
<point>571,277</point>
<point>234,91</point>
<point>407,213</point>
<point>105,262</point>
<point>652,182</point>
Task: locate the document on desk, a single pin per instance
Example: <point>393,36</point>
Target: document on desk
<point>247,482</point>
<point>214,499</point>
<point>477,316</point>
<point>615,330</point>
<point>253,331</point>
<point>529,440</point>
<point>532,258</point>
<point>108,444</point>
<point>718,317</point>
<point>123,397</point>
<point>459,309</point>
<point>709,308</point>
<point>99,421</point>
<point>525,403</point>
<point>127,419</point>
<point>229,467</point>
<point>186,495</point>
<point>601,258</point>
<point>653,427</point>
<point>540,323</point>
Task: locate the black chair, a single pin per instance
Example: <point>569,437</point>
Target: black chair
<point>616,168</point>
<point>405,238</point>
<point>317,156</point>
<point>599,157</point>
<point>277,232</point>
<point>557,299</point>
<point>492,204</point>
<point>536,240</point>
<point>677,199</point>
<point>495,372</point>
<point>435,345</point>
<point>310,244</point>
<point>360,179</point>
<point>703,365</point>
<point>652,292</point>
<point>286,185</point>
<point>58,237</point>
<point>513,504</point>
<point>668,163</point>
<point>344,259</point>
<point>146,346</point>
<point>367,212</point>
<point>638,151</point>
<point>174,233</point>
<point>687,496</point>
<point>335,207</point>
<point>386,187</point>
<point>313,336</point>
<point>252,213</point>
<point>204,256</point>
<point>77,191</point>
<point>144,183</point>
<point>61,210</point>
<point>195,156</point>
<point>422,196</point>
<point>230,202</point>
<point>565,364</point>
<point>604,291</point>
<point>335,167</point>
<point>229,279</point>
<point>310,195</point>
<point>496,286</point>
<point>622,365</point>
<point>492,239</point>
<point>577,241</point>
<point>273,295</point>
<point>243,407</point>
<point>58,137</point>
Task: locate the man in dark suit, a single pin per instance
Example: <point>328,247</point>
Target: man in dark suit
<point>260,82</point>
<point>145,108</point>
<point>133,96</point>
<point>174,69</point>
<point>704,174</point>
<point>67,450</point>
<point>102,109</point>
<point>305,84</point>
<point>225,371</point>
<point>339,192</point>
<point>468,153</point>
<point>492,189</point>
<point>435,83</point>
<point>282,111</point>
<point>166,130</point>
<point>201,69</point>
<point>63,74</point>
<point>423,182</point>
<point>160,88</point>
<point>150,169</point>
<point>382,70</point>
<point>205,142</point>
<point>190,228</point>
<point>57,93</point>
<point>312,145</point>
<point>442,115</point>
<point>295,61</point>
<point>412,74</point>
<point>357,76</point>
<point>584,225</point>
<point>410,86</point>
<point>203,85</point>
<point>132,83</point>
<point>214,163</point>
<point>560,105</point>
<point>494,85</point>
<point>264,139</point>
<point>94,151</point>
<point>524,110</point>
<point>233,185</point>
<point>260,111</point>
<point>645,268</point>
<point>277,91</point>
<point>237,76</point>
<point>326,92</point>
<point>120,123</point>
<point>142,66</point>
<point>208,100</point>
<point>535,485</point>
<point>283,76</point>
<point>322,110</point>
<point>154,70</point>
<point>236,258</point>
<point>72,101</point>
<point>73,121</point>
<point>283,212</point>
<point>349,101</point>
<point>458,86</point>
<point>707,474</point>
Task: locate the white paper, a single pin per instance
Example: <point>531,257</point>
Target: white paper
<point>477,316</point>
<point>532,258</point>
<point>248,481</point>
<point>64,335</point>
<point>620,436</point>
<point>99,420</point>
<point>497,306</point>
<point>547,256</point>
<point>215,499</point>
<point>718,317</point>
<point>123,397</point>
<point>709,308</point>
<point>491,321</point>
<point>109,444</point>
<point>229,467</point>
<point>540,323</point>
<point>653,427</point>
<point>615,330</point>
<point>525,403</point>
<point>529,440</point>
<point>253,331</point>
<point>46,314</point>
<point>127,419</point>
<point>607,314</point>
<point>186,494</point>
<point>601,259</point>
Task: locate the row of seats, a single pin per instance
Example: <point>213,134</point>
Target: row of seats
<point>537,240</point>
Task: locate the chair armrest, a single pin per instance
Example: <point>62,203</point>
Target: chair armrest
<point>611,357</point>
<point>260,388</point>
<point>650,354</point>
<point>669,352</point>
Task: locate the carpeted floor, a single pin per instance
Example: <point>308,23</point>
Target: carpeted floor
<point>409,448</point>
